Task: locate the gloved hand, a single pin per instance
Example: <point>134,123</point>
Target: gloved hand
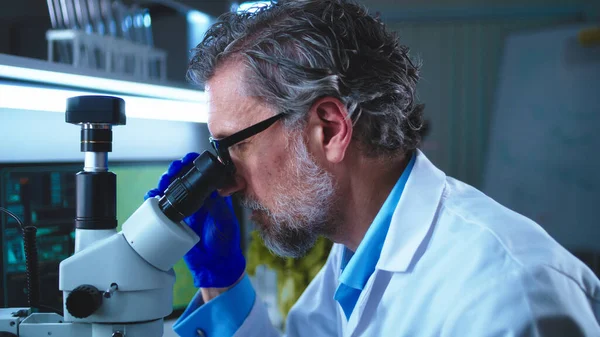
<point>216,261</point>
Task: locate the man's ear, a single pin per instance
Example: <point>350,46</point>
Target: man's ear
<point>329,129</point>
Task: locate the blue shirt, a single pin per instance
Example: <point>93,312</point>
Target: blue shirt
<point>223,315</point>
<point>359,266</point>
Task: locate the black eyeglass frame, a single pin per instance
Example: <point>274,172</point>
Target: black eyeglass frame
<point>221,146</point>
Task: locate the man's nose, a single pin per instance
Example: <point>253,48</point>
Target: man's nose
<point>237,184</point>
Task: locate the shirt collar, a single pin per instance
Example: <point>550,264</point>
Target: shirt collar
<point>357,267</point>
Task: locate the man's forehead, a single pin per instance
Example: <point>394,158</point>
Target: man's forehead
<point>235,115</point>
<point>230,107</point>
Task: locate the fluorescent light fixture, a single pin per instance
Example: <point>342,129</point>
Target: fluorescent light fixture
<point>252,6</point>
<point>143,100</point>
<point>99,84</point>
<point>55,100</point>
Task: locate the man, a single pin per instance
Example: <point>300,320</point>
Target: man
<point>313,104</point>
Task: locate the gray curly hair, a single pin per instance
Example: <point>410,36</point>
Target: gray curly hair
<point>298,51</point>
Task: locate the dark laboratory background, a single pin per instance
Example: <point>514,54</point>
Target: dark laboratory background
<point>510,87</point>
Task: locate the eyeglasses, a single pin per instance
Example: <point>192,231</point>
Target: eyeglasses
<point>222,145</point>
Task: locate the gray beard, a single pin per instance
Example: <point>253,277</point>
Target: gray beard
<point>304,207</point>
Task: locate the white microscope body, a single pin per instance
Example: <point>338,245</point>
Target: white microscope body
<point>132,270</point>
<point>116,284</point>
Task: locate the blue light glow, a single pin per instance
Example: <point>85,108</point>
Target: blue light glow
<point>197,17</point>
<point>252,6</point>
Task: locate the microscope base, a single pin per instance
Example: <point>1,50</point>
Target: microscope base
<point>44,324</point>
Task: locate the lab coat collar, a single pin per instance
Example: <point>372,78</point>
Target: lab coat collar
<point>413,216</point>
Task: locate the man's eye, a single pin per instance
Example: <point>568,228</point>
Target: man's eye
<point>240,146</point>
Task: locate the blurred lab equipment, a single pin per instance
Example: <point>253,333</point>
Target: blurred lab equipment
<point>292,275</point>
<point>116,283</point>
<point>105,35</point>
<point>108,17</point>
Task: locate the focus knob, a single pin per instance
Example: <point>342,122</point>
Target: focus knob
<point>84,301</point>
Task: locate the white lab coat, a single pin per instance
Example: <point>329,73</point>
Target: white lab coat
<point>454,263</point>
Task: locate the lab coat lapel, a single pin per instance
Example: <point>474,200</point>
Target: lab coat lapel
<point>409,227</point>
<point>413,217</point>
<point>367,302</point>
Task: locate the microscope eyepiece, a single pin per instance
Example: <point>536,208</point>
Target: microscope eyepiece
<point>187,193</point>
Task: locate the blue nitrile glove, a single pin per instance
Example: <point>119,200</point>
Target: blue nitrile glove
<point>216,261</point>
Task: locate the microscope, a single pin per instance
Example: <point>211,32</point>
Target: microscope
<point>116,284</point>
